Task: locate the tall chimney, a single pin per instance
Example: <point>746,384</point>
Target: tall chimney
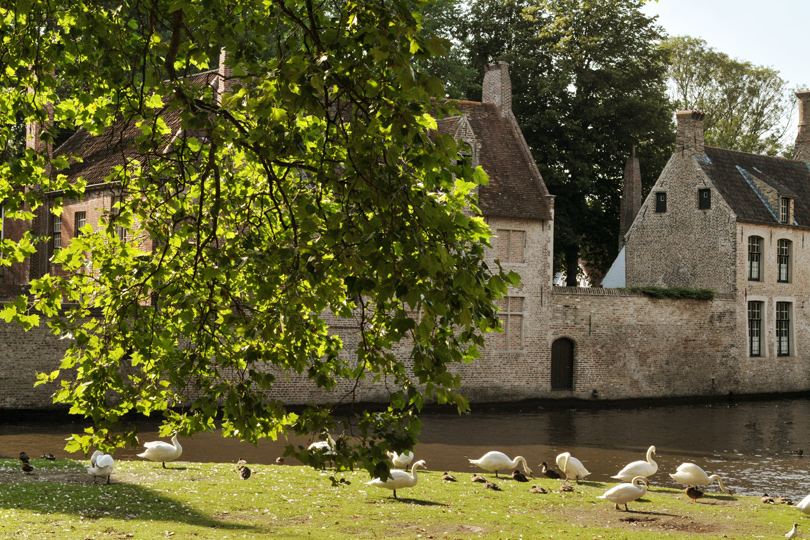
<point>223,74</point>
<point>498,87</point>
<point>689,137</point>
<point>802,147</point>
<point>631,195</point>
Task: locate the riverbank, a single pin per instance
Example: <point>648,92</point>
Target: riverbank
<point>209,500</point>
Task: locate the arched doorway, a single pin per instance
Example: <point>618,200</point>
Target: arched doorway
<point>562,364</point>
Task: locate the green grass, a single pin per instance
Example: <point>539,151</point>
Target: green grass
<point>205,500</point>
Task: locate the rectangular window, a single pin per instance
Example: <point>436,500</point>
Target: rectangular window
<point>754,328</point>
<point>783,261</point>
<point>510,245</point>
<point>79,221</point>
<point>511,315</point>
<point>56,233</point>
<point>784,210</point>
<point>783,328</point>
<point>660,202</point>
<point>754,258</point>
<point>115,210</point>
<point>704,199</point>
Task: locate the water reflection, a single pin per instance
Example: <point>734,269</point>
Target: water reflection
<point>751,445</point>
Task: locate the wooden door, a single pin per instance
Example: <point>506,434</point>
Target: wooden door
<point>562,364</point>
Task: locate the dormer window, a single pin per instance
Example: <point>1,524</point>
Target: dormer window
<point>784,210</point>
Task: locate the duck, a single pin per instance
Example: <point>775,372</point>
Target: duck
<point>498,461</point>
<point>449,477</point>
<point>571,467</point>
<point>535,489</point>
<point>493,486</point>
<point>279,460</point>
<point>519,476</point>
<point>399,479</point>
<point>693,493</point>
<point>48,456</point>
<point>792,533</point>
<point>244,472</point>
<point>401,460</point>
<point>692,475</point>
<point>565,487</point>
<point>804,505</point>
<point>477,478</point>
<point>638,468</point>
<point>24,457</point>
<point>162,451</point>
<point>624,493</point>
<point>101,465</point>
<point>783,500</point>
<point>27,468</point>
<point>767,499</point>
<point>549,473</point>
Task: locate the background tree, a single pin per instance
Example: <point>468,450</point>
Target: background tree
<point>748,107</point>
<point>311,190</point>
<point>589,81</point>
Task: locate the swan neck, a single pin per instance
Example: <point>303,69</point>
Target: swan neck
<point>719,482</point>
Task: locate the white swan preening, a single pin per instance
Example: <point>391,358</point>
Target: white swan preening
<point>624,493</point>
<point>498,461</point>
<point>162,451</point>
<point>101,465</point>
<point>398,479</point>
<point>571,467</point>
<point>401,460</point>
<point>327,447</point>
<point>639,468</point>
<point>804,505</point>
<point>692,475</point>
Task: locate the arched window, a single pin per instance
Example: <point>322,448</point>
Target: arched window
<point>562,364</point>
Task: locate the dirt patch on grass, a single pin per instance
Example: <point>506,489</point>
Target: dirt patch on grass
<point>63,476</point>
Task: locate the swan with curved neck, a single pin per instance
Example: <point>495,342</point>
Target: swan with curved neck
<point>692,475</point>
<point>161,451</point>
<point>398,479</point>
<point>639,468</point>
<point>498,461</point>
<point>571,467</point>
<point>624,493</point>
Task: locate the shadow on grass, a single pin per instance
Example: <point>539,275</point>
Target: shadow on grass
<point>64,487</point>
<point>418,502</point>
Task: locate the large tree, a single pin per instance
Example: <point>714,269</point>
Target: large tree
<point>589,82</point>
<point>748,107</point>
<point>314,189</point>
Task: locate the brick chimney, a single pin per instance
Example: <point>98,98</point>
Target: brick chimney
<point>498,87</point>
<point>689,137</point>
<point>802,147</point>
<point>631,195</point>
<point>224,73</point>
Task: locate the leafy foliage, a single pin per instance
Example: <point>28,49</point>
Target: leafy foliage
<point>747,106</point>
<point>589,83</point>
<point>313,193</point>
<point>678,293</point>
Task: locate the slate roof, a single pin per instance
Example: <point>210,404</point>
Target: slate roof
<point>728,169</point>
<point>515,189</point>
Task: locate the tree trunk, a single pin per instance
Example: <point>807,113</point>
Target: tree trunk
<point>571,267</point>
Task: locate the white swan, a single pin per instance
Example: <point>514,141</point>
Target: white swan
<point>162,451</point>
<point>692,475</point>
<point>401,460</point>
<point>804,505</point>
<point>639,468</point>
<point>498,461</point>
<point>327,447</point>
<point>571,467</point>
<point>624,493</point>
<point>398,479</point>
<point>101,465</point>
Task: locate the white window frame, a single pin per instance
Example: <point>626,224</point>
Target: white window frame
<point>783,311</point>
<point>759,243</point>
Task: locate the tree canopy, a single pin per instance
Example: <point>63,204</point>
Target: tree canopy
<point>747,107</point>
<point>590,83</point>
<point>316,189</point>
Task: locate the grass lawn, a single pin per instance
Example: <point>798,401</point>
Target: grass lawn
<point>209,500</point>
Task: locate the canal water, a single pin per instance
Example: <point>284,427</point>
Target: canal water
<point>755,446</point>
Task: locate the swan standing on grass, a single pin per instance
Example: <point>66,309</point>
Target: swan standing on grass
<point>804,505</point>
<point>624,493</point>
<point>498,461</point>
<point>398,479</point>
<point>400,460</point>
<point>101,465</point>
<point>692,475</point>
<point>162,451</point>
<point>571,467</point>
<point>639,468</point>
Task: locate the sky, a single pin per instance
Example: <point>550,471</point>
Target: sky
<point>771,33</point>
